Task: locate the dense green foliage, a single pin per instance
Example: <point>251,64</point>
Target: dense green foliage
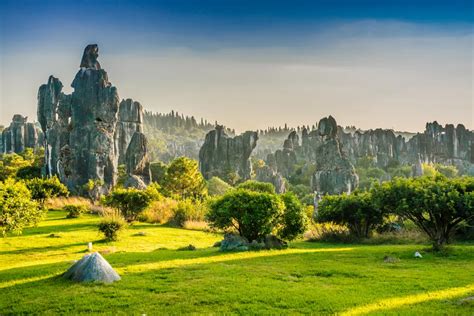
<point>216,186</point>
<point>17,209</point>
<point>437,205</point>
<point>75,211</point>
<point>45,188</point>
<point>188,210</point>
<point>130,202</point>
<point>158,171</point>
<point>356,210</point>
<point>26,165</point>
<point>294,220</point>
<point>184,179</point>
<point>111,225</point>
<point>256,186</point>
<point>252,214</point>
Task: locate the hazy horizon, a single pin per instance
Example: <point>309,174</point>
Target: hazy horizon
<point>250,65</point>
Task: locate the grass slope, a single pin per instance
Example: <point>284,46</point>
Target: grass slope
<point>157,278</point>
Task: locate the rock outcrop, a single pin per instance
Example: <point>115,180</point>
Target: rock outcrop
<point>221,155</point>
<point>54,116</point>
<point>334,172</point>
<point>267,174</point>
<point>129,121</point>
<point>92,268</point>
<point>21,135</point>
<point>88,131</point>
<point>137,162</point>
<point>332,152</point>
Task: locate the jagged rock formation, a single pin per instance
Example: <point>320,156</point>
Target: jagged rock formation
<point>447,145</point>
<point>284,161</point>
<point>130,121</point>
<point>221,155</point>
<point>334,172</point>
<point>54,112</point>
<point>92,268</point>
<point>21,135</point>
<point>330,147</point>
<point>137,162</point>
<point>383,145</point>
<point>85,132</point>
<point>267,174</point>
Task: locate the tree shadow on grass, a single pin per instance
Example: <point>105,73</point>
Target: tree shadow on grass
<point>41,249</point>
<point>56,229</point>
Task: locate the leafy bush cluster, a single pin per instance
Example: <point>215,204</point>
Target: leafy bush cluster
<point>130,202</point>
<point>22,201</point>
<point>437,205</point>
<point>75,211</point>
<point>253,210</point>
<point>17,208</point>
<point>111,225</point>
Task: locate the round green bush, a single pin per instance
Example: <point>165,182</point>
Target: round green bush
<point>75,211</point>
<point>111,225</point>
<point>294,220</point>
<point>252,214</point>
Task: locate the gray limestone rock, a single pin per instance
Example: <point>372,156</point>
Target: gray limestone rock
<point>137,162</point>
<point>234,242</point>
<point>92,268</point>
<point>87,132</point>
<point>21,135</point>
<point>221,155</point>
<point>130,119</point>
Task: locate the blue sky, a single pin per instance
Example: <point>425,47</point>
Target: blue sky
<point>250,64</point>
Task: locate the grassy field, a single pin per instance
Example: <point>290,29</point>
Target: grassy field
<point>158,278</point>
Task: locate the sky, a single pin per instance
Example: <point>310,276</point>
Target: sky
<point>253,64</point>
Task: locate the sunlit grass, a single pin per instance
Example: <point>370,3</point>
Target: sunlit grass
<point>158,278</point>
<point>395,302</point>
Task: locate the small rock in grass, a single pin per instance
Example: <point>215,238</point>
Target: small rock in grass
<point>418,255</point>
<point>54,236</point>
<point>389,259</point>
<point>140,234</point>
<point>466,300</point>
<point>189,247</point>
<point>107,251</point>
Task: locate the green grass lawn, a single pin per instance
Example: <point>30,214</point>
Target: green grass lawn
<point>158,278</point>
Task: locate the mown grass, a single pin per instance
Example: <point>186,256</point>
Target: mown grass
<point>157,278</point>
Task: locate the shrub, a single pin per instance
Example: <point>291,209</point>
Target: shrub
<point>130,202</point>
<point>111,225</point>
<point>294,220</point>
<point>437,205</point>
<point>252,214</point>
<point>257,186</point>
<point>160,211</point>
<point>184,179</point>
<point>45,188</point>
<point>17,209</point>
<point>216,186</point>
<point>188,210</point>
<point>75,211</point>
<point>329,232</point>
<point>356,210</point>
<point>158,171</point>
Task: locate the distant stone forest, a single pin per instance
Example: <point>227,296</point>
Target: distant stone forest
<point>91,132</point>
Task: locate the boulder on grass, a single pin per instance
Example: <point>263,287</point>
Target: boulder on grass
<point>233,242</point>
<point>273,242</point>
<point>92,268</point>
